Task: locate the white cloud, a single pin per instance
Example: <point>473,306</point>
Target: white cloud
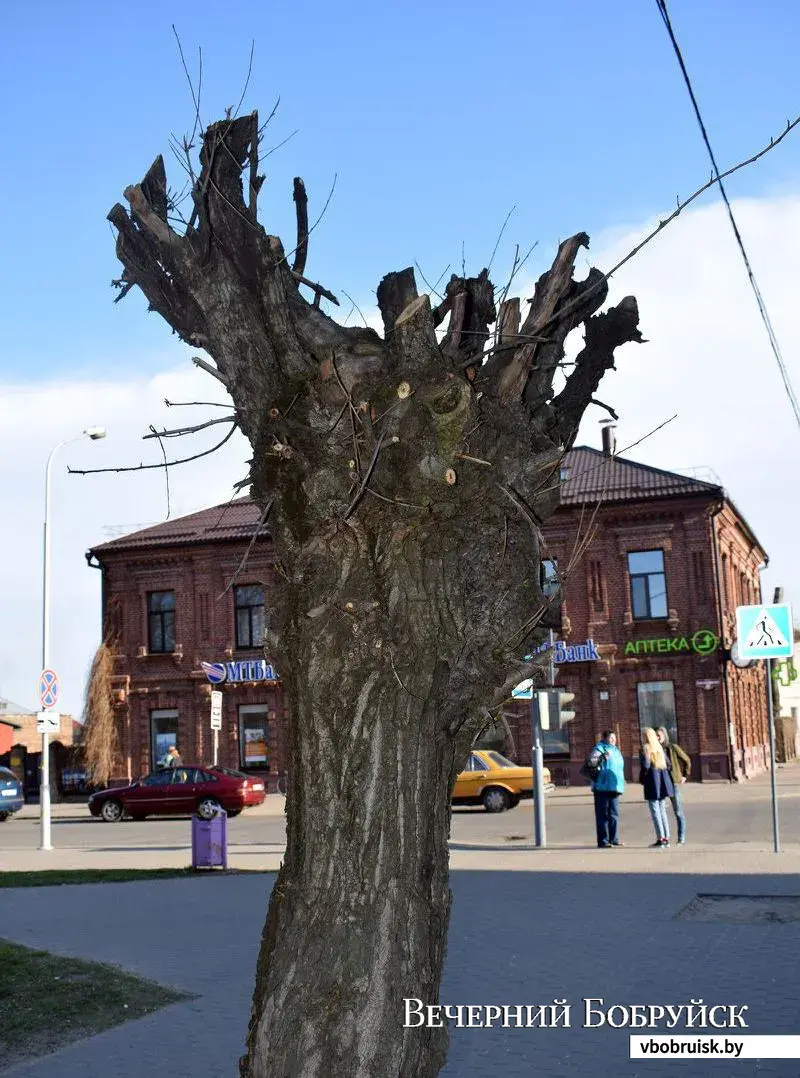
<point>707,360</point>
<point>88,510</point>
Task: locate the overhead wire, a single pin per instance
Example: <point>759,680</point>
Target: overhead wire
<point>762,307</point>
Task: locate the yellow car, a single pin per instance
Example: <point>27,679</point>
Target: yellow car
<point>493,781</point>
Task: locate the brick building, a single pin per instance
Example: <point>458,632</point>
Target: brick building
<point>647,626</point>
<point>665,561</point>
<point>23,723</point>
<point>182,629</point>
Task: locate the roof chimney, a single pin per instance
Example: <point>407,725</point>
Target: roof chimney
<point>609,438</point>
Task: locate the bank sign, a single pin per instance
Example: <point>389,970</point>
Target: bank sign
<point>562,653</point>
<point>703,642</point>
<point>234,673</point>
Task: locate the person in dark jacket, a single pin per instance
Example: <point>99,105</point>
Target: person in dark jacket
<point>680,768</point>
<point>658,786</point>
<point>608,787</point>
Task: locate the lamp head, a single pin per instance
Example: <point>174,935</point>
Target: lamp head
<point>95,433</point>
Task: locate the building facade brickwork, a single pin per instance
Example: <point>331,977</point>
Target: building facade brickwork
<point>652,564</point>
<point>667,666</point>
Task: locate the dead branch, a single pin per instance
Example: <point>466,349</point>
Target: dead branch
<point>608,408</point>
<point>193,404</point>
<point>148,467</point>
<point>317,289</point>
<point>301,210</point>
<point>201,363</point>
<point>180,431</point>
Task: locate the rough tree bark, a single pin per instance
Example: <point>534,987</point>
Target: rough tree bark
<point>409,480</point>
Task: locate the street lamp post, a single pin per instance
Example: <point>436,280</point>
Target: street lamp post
<point>94,433</point>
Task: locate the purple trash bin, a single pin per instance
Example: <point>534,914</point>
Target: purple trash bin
<point>210,841</point>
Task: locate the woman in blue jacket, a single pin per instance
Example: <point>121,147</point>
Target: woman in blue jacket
<point>657,782</point>
<point>607,788</point>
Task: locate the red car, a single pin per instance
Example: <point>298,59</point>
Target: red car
<point>179,791</point>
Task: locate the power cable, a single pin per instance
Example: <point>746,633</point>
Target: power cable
<point>762,307</point>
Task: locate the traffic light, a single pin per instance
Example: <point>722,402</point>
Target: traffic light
<point>552,706</point>
<point>565,713</point>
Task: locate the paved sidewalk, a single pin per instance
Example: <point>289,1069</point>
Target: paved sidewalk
<point>517,937</point>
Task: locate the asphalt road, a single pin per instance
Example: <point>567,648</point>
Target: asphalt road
<point>717,815</point>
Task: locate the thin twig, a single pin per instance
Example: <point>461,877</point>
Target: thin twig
<point>502,230</point>
<point>393,501</point>
<point>195,97</point>
<point>356,306</point>
<point>427,282</point>
<point>155,434</point>
<point>472,460</point>
<point>148,467</point>
<point>568,308</point>
<point>179,432</point>
<point>250,546</point>
<point>247,80</point>
<point>360,492</point>
<point>192,404</point>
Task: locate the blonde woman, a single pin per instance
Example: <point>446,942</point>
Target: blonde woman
<point>657,782</point>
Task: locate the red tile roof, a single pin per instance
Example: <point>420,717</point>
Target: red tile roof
<point>237,519</point>
<point>592,476</point>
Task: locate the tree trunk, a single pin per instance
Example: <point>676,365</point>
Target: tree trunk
<point>407,478</point>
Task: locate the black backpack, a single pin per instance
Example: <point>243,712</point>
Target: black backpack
<point>590,771</point>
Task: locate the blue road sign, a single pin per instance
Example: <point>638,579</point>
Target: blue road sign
<point>48,689</point>
<point>764,632</point>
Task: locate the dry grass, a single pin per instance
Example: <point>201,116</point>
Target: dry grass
<point>100,730</point>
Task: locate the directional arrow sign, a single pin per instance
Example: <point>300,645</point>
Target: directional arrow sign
<point>47,722</point>
<point>764,632</point>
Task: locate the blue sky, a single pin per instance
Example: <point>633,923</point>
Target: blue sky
<point>437,119</point>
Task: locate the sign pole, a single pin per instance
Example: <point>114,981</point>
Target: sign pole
<point>539,821</point>
<point>766,632</point>
<point>776,841</point>
<point>216,746</point>
<point>45,842</point>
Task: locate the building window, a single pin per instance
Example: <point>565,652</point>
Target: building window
<point>648,584</point>
<point>563,474</point>
<point>161,621</point>
<point>254,735</point>
<point>656,700</point>
<point>548,577</point>
<point>163,735</point>
<point>249,604</point>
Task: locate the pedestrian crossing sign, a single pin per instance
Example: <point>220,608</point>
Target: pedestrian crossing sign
<point>764,632</point>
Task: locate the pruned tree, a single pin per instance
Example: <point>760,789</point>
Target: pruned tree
<point>407,475</point>
<point>100,742</point>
